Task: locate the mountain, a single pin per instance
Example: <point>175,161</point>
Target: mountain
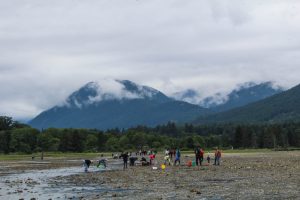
<point>243,95</point>
<point>120,103</point>
<point>280,107</point>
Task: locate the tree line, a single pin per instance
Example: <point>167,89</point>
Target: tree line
<point>17,137</point>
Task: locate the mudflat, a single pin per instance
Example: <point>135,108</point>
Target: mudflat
<point>258,175</point>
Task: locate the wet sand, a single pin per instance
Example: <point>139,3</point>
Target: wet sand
<point>273,175</point>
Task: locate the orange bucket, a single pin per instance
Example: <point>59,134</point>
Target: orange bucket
<point>189,163</point>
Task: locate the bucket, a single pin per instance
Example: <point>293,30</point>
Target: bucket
<point>189,163</point>
<point>194,163</point>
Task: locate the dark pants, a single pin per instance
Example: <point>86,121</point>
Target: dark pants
<point>197,160</point>
<point>125,164</point>
<point>201,160</point>
<point>217,160</point>
<point>132,161</point>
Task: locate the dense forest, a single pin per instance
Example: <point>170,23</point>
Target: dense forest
<point>16,137</point>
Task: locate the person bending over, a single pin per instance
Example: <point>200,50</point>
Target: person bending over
<point>86,164</point>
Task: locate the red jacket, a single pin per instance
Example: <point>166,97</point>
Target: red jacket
<point>201,153</point>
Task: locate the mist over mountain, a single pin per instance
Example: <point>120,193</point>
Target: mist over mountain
<point>242,95</point>
<point>94,92</point>
<point>116,103</point>
<point>284,106</point>
<point>189,95</point>
<point>245,94</point>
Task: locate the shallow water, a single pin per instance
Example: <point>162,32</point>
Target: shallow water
<point>36,183</point>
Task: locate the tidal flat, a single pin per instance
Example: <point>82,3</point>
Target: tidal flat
<point>253,175</point>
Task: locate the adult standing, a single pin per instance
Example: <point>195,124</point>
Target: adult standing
<point>218,155</point>
<point>197,155</point>
<point>171,154</point>
<point>125,159</point>
<point>201,156</point>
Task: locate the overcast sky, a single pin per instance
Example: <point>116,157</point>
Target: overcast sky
<point>50,48</point>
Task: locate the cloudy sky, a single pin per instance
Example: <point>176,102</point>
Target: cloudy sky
<point>50,48</point>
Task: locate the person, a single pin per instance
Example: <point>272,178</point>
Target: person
<point>116,156</point>
<point>166,152</point>
<point>144,162</point>
<point>132,160</point>
<point>167,159</point>
<point>125,159</point>
<point>102,162</point>
<point>201,156</point>
<point>208,158</point>
<point>86,164</point>
<point>171,154</point>
<point>152,157</point>
<point>197,155</point>
<point>174,152</point>
<point>217,157</point>
<point>177,156</point>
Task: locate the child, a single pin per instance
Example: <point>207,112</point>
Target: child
<point>208,158</point>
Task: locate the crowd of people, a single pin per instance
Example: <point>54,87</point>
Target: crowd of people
<point>148,158</point>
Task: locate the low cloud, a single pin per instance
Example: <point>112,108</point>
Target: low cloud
<point>107,89</point>
<point>50,48</point>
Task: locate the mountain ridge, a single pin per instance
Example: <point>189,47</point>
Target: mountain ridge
<point>91,106</point>
<point>283,106</point>
<point>242,95</point>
